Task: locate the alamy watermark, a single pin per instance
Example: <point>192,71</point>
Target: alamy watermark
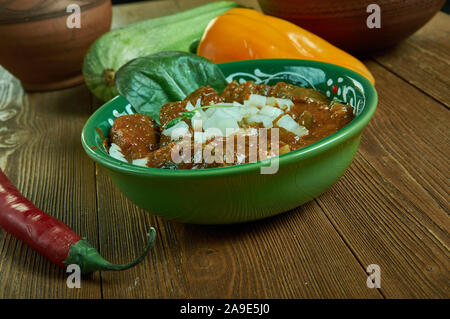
<point>374,278</point>
<point>74,279</point>
<point>374,19</point>
<point>73,21</point>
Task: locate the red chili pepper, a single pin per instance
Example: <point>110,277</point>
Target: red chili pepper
<point>49,236</point>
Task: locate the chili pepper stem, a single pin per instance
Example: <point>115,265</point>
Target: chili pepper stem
<point>109,77</point>
<point>89,259</point>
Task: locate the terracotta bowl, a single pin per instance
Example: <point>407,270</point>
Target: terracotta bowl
<point>40,49</point>
<point>343,22</point>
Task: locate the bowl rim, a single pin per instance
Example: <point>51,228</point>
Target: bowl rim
<point>321,146</point>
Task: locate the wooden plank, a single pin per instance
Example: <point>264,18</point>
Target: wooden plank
<point>298,254</point>
<point>41,153</point>
<point>295,255</point>
<point>412,140</point>
<point>424,58</point>
<point>392,205</point>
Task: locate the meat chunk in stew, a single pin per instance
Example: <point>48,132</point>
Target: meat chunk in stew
<point>136,134</point>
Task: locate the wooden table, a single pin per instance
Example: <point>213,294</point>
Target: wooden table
<point>390,208</point>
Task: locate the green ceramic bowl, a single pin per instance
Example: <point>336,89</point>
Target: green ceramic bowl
<point>241,193</point>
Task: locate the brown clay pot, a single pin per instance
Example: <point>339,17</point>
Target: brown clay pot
<point>343,22</point>
<point>40,49</point>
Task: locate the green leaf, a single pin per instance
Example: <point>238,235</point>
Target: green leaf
<point>151,81</point>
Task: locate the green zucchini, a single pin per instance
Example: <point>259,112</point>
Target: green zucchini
<point>117,47</point>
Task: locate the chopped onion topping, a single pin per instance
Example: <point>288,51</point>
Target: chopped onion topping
<point>289,124</point>
<point>284,104</point>
<point>177,131</point>
<point>116,152</point>
<point>259,118</point>
<point>270,111</point>
<point>256,100</point>
<point>221,120</point>
<point>140,161</point>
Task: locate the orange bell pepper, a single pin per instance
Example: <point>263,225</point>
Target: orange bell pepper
<point>246,34</point>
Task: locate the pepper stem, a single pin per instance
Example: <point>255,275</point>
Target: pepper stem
<point>109,76</point>
<point>89,259</point>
